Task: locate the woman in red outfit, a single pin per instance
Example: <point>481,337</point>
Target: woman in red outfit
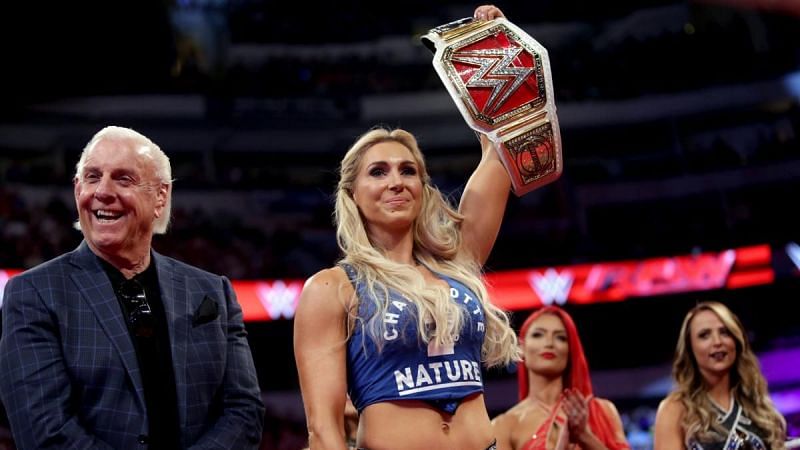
<point>556,409</point>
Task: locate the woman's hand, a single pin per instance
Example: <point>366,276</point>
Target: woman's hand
<point>488,12</point>
<point>576,407</point>
<point>488,147</point>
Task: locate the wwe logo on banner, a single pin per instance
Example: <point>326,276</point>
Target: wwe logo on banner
<point>792,249</point>
<point>278,299</point>
<point>552,286</point>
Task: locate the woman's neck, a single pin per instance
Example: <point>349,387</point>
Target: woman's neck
<point>544,389</point>
<point>718,387</point>
<point>399,249</point>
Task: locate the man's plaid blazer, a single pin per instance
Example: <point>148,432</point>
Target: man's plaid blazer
<point>69,377</point>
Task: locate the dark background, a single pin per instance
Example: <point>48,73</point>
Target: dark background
<point>679,122</point>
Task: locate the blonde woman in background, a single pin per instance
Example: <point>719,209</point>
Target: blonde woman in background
<point>721,399</point>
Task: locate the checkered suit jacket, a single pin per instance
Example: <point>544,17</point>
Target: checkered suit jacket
<point>69,377</point>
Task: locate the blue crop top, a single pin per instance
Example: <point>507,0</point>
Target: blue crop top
<point>405,368</point>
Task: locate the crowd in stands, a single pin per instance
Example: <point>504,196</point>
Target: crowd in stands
<point>659,49</point>
<point>627,192</point>
<point>597,52</point>
<point>715,189</point>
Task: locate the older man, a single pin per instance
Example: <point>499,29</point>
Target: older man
<point>113,346</point>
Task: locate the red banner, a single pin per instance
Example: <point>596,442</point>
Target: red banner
<point>616,281</point>
<point>263,300</point>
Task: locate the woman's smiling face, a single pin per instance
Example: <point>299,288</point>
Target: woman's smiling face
<point>388,187</point>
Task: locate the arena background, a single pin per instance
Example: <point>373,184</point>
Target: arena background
<point>679,120</point>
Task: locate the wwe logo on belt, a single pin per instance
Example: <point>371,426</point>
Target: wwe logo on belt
<point>552,286</point>
<point>500,79</point>
<point>495,71</point>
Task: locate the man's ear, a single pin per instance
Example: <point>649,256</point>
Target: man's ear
<point>161,197</point>
<point>76,188</point>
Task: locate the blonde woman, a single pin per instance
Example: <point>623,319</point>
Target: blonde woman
<point>403,324</point>
<point>721,399</point>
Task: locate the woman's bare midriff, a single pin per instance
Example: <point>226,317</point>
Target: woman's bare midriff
<point>416,425</point>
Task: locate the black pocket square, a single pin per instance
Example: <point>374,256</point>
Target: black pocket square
<point>206,312</point>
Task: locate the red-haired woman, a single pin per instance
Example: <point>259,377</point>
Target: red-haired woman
<point>556,409</point>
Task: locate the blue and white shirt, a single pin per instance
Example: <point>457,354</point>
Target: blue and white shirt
<point>405,368</point>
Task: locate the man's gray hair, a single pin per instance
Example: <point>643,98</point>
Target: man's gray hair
<point>148,149</point>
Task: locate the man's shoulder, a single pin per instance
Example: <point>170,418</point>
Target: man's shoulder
<point>59,264</point>
<point>185,268</point>
<point>50,276</point>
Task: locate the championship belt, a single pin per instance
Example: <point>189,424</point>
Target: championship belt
<point>499,78</point>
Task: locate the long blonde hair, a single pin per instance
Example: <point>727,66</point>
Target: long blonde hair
<point>437,245</point>
<point>747,383</point>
